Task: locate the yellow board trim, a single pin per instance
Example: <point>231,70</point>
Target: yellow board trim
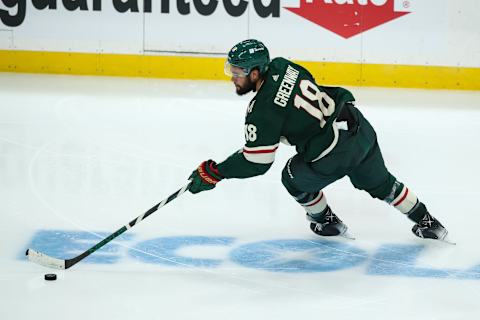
<point>208,68</point>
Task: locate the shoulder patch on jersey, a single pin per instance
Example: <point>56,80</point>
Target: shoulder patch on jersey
<point>275,77</point>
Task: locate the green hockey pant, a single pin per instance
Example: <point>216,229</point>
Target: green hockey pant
<point>356,155</point>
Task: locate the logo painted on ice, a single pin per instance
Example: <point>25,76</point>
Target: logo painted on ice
<point>279,255</point>
<point>348,18</point>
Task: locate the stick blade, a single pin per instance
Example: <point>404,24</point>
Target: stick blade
<point>45,260</point>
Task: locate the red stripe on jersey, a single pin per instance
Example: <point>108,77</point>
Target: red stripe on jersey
<point>261,151</point>
<point>403,198</point>
<point>316,201</point>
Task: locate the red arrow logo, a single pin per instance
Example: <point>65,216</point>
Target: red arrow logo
<point>350,18</point>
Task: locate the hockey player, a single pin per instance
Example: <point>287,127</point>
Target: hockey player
<point>331,136</point>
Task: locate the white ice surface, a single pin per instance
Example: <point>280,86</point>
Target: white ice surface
<point>89,154</point>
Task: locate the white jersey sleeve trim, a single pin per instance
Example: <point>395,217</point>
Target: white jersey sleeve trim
<point>262,154</point>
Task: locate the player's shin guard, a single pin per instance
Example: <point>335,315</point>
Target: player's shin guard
<point>313,203</point>
<point>426,226</point>
<point>322,220</point>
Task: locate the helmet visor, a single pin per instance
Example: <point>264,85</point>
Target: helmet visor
<point>234,71</point>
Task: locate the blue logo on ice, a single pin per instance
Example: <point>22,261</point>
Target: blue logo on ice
<point>401,260</point>
<point>165,251</point>
<point>66,244</point>
<point>298,256</point>
<point>280,255</point>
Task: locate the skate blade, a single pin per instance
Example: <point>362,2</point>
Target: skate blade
<point>347,235</point>
<point>446,239</point>
<point>442,238</point>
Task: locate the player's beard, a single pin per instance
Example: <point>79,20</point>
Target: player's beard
<point>249,86</point>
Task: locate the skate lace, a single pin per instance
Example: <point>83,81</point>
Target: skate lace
<point>427,222</point>
<point>330,217</point>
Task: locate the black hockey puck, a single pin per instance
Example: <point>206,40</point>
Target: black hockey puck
<point>50,276</point>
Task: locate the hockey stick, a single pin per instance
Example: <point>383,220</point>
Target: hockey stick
<point>47,261</point>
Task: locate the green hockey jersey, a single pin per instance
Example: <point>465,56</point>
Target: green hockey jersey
<point>291,108</point>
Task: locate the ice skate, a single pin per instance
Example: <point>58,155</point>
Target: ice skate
<point>431,228</point>
<point>328,224</point>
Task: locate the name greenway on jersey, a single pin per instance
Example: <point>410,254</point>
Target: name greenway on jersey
<point>263,152</point>
<point>286,87</point>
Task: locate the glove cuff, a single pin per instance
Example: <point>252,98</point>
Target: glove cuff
<point>208,171</point>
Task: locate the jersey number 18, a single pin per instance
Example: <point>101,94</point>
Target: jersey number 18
<point>312,96</point>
